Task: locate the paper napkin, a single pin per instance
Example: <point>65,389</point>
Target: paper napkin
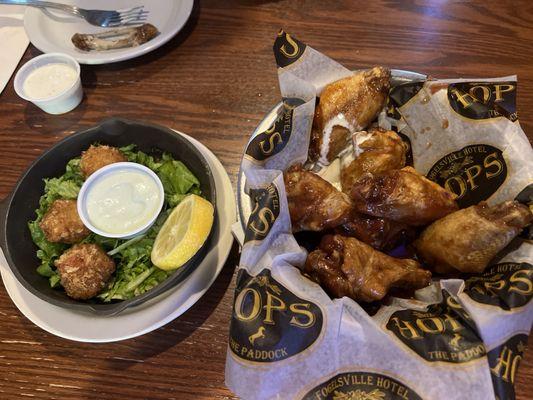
<point>13,39</point>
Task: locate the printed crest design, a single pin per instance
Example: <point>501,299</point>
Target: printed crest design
<point>287,50</point>
<point>360,395</point>
<point>264,214</point>
<point>275,138</point>
<point>473,173</point>
<point>269,322</point>
<point>506,285</point>
<point>399,95</point>
<point>361,386</point>
<point>503,362</point>
<point>444,332</point>
<point>483,100</point>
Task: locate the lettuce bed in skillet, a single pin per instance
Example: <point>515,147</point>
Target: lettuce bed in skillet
<point>135,273</point>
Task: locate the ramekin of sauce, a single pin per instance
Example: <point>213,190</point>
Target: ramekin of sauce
<point>121,200</point>
<point>51,82</point>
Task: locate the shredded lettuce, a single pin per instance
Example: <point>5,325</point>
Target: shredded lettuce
<point>177,179</point>
<point>66,186</point>
<point>135,274</point>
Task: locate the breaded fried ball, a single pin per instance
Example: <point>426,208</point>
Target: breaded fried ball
<point>96,157</point>
<point>84,270</point>
<point>61,223</point>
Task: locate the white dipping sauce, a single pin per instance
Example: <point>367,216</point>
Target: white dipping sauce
<point>122,201</point>
<point>49,81</point>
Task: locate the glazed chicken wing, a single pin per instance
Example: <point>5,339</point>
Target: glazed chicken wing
<point>347,267</point>
<point>347,105</point>
<point>403,196</point>
<point>314,203</point>
<point>467,240</point>
<point>376,151</point>
<point>380,233</point>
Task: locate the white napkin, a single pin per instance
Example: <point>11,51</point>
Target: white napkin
<point>13,39</point>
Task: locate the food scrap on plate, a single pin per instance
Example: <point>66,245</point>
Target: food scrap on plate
<point>115,38</point>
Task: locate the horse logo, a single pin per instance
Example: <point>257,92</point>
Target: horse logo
<point>260,334</point>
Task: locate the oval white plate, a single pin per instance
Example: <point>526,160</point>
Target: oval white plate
<point>50,31</point>
<point>85,327</point>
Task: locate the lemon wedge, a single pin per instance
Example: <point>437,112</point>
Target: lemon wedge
<point>183,233</point>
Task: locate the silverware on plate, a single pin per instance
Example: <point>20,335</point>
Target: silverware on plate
<point>105,18</point>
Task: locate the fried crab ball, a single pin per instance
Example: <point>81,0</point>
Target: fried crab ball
<point>84,270</point>
<point>96,157</point>
<point>61,223</point>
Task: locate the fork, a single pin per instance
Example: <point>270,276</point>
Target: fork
<point>105,18</point>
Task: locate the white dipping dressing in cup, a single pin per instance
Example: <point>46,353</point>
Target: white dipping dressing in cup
<point>121,200</point>
<point>51,82</point>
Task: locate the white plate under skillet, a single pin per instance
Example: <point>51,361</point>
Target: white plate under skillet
<point>136,321</point>
<point>50,30</point>
<point>244,202</point>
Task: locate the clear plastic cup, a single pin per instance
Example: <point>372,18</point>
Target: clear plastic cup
<point>60,103</point>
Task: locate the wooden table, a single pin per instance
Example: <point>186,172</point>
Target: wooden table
<point>215,81</point>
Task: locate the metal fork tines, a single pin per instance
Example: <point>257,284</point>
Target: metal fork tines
<point>105,18</point>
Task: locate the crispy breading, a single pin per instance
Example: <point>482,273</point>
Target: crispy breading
<point>61,223</point>
<point>96,157</point>
<point>84,270</point>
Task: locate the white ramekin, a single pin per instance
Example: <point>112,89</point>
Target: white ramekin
<point>105,171</point>
<point>60,103</point>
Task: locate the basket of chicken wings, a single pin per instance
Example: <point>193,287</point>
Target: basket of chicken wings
<point>387,248</point>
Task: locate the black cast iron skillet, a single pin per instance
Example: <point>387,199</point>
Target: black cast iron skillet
<point>19,207</point>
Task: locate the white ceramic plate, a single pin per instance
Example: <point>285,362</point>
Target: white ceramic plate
<point>136,321</point>
<point>50,31</point>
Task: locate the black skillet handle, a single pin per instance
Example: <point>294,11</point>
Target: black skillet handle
<point>4,204</point>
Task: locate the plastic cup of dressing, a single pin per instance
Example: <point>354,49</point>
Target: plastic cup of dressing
<point>51,82</point>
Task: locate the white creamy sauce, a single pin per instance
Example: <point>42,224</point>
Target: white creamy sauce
<point>49,81</point>
<point>122,201</point>
<point>359,138</point>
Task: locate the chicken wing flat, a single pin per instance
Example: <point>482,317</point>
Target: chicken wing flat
<point>314,203</point>
<point>380,233</point>
<point>347,267</point>
<point>347,105</point>
<point>376,151</point>
<point>468,239</point>
<point>403,196</point>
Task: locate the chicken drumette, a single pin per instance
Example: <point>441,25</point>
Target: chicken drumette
<point>380,233</point>
<point>314,203</point>
<point>347,105</point>
<point>403,196</point>
<point>468,239</point>
<point>376,151</point>
<point>347,267</point>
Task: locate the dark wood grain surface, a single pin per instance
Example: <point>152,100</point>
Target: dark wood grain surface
<point>215,81</point>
